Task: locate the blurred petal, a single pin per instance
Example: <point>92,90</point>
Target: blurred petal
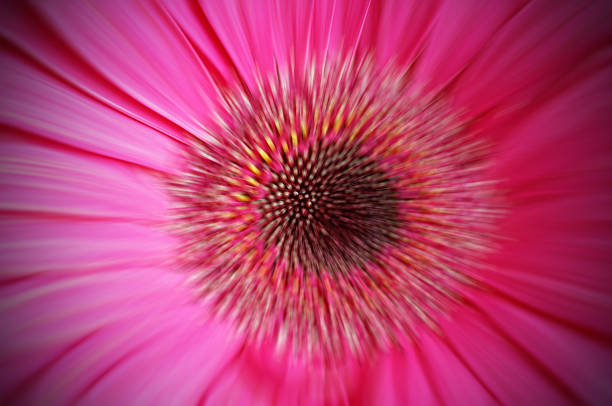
<point>58,181</point>
<point>116,39</point>
<point>37,104</point>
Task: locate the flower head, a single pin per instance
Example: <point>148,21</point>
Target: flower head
<point>284,202</point>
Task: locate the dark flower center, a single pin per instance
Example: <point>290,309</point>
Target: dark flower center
<point>330,208</point>
<point>333,211</point>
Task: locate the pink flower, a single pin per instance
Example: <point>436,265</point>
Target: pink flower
<point>342,202</point>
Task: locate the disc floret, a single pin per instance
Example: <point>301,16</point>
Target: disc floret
<point>334,211</point>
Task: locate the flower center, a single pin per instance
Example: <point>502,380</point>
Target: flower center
<point>334,210</point>
<point>329,208</point>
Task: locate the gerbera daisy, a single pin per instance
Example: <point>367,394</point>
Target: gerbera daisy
<point>343,202</point>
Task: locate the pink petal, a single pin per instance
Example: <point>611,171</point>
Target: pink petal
<point>142,52</point>
<point>33,40</point>
<point>253,33</point>
<point>256,34</point>
<point>555,258</point>
<point>198,31</point>
<point>460,32</point>
<point>42,106</point>
<point>41,180</point>
<point>546,48</point>
<point>398,30</point>
<point>75,247</point>
<point>507,370</point>
<point>103,347</point>
<point>581,364</point>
